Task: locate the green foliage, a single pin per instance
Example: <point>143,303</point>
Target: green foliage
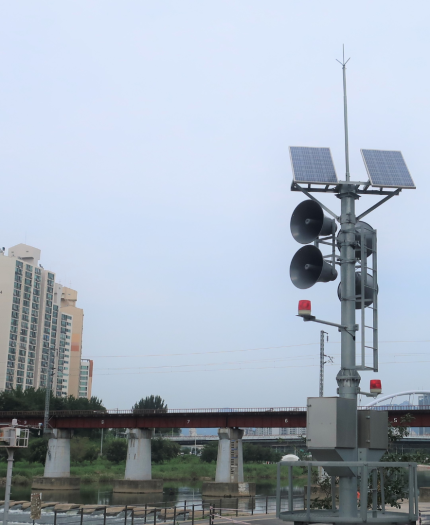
<point>209,452</point>
<point>82,449</point>
<point>116,450</point>
<point>251,453</point>
<point>258,454</point>
<point>150,402</point>
<point>34,399</point>
<point>162,450</point>
<point>36,452</point>
<point>156,403</point>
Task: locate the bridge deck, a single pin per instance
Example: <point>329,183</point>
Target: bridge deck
<point>294,417</point>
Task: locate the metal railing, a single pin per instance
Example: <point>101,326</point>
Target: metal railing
<point>377,512</point>
<point>160,512</point>
<point>148,412</point>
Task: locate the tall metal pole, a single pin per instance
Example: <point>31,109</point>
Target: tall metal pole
<point>348,379</point>
<point>47,398</point>
<point>322,363</point>
<point>345,116</point>
<point>10,452</point>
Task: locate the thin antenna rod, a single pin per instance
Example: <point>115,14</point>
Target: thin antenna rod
<point>345,113</point>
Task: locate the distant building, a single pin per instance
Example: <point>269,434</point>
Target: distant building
<point>85,378</point>
<point>40,326</point>
<point>275,432</point>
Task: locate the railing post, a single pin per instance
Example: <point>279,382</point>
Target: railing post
<point>267,498</point>
<point>290,487</point>
<point>374,493</point>
<point>308,493</point>
<point>382,476</point>
<point>411,496</point>
<point>55,517</point>
<point>278,491</point>
<point>237,507</point>
<point>165,513</point>
<point>363,492</point>
<point>132,516</point>
<point>146,511</point>
<point>155,515</point>
<point>185,508</point>
<point>252,506</point>
<point>104,516</point>
<point>333,493</point>
<point>174,515</point>
<point>192,515</point>
<point>125,516</point>
<point>82,515</point>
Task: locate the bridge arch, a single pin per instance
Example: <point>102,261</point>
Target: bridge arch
<point>399,394</point>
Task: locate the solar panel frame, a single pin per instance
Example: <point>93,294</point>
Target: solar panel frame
<point>387,171</point>
<point>316,162</point>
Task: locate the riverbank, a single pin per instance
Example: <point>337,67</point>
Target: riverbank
<point>183,468</point>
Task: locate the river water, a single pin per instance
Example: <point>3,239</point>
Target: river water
<point>175,493</point>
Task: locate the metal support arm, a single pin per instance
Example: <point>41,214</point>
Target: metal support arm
<point>394,194</point>
<point>295,185</point>
<point>315,320</point>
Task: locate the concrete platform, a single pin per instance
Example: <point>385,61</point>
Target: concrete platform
<point>138,486</point>
<point>220,489</point>
<point>63,483</point>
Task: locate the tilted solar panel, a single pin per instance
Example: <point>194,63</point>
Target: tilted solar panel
<point>312,165</point>
<point>387,169</point>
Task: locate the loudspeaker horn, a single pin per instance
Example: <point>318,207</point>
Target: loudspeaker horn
<point>308,222</point>
<point>309,267</point>
<point>368,235</point>
<point>368,291</point>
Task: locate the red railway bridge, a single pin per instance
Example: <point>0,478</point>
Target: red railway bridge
<point>294,417</point>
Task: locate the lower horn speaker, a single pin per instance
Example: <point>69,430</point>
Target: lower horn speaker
<point>309,267</point>
<point>368,291</point>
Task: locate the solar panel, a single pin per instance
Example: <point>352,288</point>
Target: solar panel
<point>387,169</point>
<point>313,165</point>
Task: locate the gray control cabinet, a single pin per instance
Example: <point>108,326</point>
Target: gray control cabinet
<point>373,429</point>
<point>331,423</point>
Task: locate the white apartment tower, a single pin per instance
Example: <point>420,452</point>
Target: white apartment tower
<point>35,331</point>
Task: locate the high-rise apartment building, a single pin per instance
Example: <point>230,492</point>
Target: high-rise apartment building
<point>86,378</point>
<point>40,326</point>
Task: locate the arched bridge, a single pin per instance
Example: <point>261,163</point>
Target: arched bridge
<point>294,417</point>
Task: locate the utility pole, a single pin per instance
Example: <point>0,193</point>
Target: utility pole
<point>323,362</point>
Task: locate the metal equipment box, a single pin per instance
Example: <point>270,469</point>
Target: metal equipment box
<point>373,429</point>
<point>331,423</point>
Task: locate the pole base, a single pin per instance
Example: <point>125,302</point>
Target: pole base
<point>61,483</point>
<point>220,489</point>
<point>138,486</point>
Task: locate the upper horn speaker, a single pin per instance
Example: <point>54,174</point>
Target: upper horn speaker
<point>308,222</point>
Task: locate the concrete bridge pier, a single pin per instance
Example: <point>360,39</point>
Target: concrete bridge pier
<point>57,464</point>
<point>138,472</point>
<point>229,480</point>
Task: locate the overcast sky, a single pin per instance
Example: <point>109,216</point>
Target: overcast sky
<point>144,150</point>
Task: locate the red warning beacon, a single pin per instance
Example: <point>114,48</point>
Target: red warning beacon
<point>305,308</point>
<point>375,386</point>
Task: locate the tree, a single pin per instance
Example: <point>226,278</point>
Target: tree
<point>37,450</point>
<point>163,450</point>
<point>150,402</point>
<point>209,452</point>
<point>32,399</point>
<point>116,450</point>
<point>81,449</point>
<point>156,403</point>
